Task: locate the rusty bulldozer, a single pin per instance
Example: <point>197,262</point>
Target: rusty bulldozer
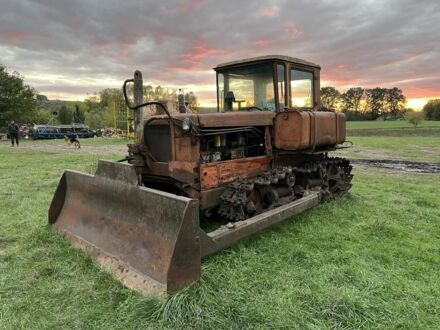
<point>262,158</point>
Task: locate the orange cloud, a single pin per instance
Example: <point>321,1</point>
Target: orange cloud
<point>102,45</point>
<point>201,51</point>
<point>421,92</point>
<point>271,11</point>
<point>192,60</point>
<point>190,4</point>
<point>125,49</point>
<point>14,36</point>
<point>260,42</point>
<point>293,31</point>
<point>188,68</point>
<point>336,80</point>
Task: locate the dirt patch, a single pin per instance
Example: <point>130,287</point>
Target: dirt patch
<point>368,153</point>
<point>399,165</point>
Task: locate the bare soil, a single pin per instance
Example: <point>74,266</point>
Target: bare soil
<point>399,165</point>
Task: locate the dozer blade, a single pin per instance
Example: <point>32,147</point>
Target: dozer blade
<point>148,239</point>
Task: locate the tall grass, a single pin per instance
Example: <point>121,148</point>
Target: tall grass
<point>370,260</point>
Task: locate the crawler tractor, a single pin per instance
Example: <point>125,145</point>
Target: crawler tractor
<point>260,159</point>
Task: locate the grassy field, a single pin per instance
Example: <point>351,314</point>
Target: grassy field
<point>390,124</point>
<point>369,260</point>
<point>394,140</point>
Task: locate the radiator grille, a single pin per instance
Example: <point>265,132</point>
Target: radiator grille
<point>158,139</point>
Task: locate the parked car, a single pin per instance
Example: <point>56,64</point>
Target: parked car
<point>59,131</point>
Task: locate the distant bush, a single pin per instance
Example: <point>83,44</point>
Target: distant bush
<point>414,117</point>
<point>432,110</point>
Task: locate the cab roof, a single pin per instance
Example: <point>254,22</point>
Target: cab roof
<point>267,58</point>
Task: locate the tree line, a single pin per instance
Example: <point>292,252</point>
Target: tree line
<point>364,103</point>
<point>22,103</point>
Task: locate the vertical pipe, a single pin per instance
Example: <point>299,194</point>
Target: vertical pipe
<point>126,123</point>
<point>114,113</point>
<point>138,113</point>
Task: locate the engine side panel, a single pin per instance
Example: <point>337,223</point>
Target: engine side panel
<point>219,173</point>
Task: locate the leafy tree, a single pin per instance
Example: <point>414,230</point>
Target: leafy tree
<point>376,102</point>
<point>414,117</point>
<point>78,115</point>
<point>110,95</point>
<point>330,98</point>
<point>43,117</point>
<point>94,116</point>
<point>351,99</point>
<point>65,115</point>
<point>191,100</point>
<point>18,101</point>
<point>395,101</point>
<point>432,109</point>
<point>100,107</point>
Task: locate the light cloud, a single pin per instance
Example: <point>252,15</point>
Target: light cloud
<point>71,48</point>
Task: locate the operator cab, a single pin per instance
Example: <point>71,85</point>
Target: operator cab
<point>259,84</point>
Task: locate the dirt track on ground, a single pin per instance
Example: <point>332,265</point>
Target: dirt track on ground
<point>399,165</point>
<point>59,146</point>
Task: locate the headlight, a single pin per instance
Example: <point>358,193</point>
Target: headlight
<point>186,125</point>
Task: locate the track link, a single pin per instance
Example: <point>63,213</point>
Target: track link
<point>246,197</point>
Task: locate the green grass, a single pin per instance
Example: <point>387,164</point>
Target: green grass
<point>389,124</point>
<point>414,148</point>
<point>394,140</point>
<point>370,260</point>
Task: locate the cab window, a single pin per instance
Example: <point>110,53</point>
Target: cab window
<point>301,88</point>
<point>244,88</point>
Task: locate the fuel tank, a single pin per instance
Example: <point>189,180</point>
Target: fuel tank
<point>300,130</point>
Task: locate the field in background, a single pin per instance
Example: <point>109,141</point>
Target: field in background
<point>390,124</point>
<point>393,140</point>
<point>369,260</point>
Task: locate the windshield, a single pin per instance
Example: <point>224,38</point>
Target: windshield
<point>246,87</point>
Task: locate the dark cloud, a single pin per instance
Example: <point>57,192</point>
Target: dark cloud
<point>73,47</point>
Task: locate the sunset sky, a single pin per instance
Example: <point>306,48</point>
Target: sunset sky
<point>67,49</point>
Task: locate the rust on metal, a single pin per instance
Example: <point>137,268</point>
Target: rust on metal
<point>184,171</point>
<point>253,167</point>
<point>218,173</point>
<point>224,237</point>
<point>244,118</point>
<point>146,238</point>
<point>138,99</point>
<point>301,130</point>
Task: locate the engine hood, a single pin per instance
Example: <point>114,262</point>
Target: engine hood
<point>227,119</point>
<point>236,118</point>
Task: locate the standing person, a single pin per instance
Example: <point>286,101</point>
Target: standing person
<point>13,131</point>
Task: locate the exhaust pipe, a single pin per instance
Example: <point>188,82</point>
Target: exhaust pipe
<point>138,91</point>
